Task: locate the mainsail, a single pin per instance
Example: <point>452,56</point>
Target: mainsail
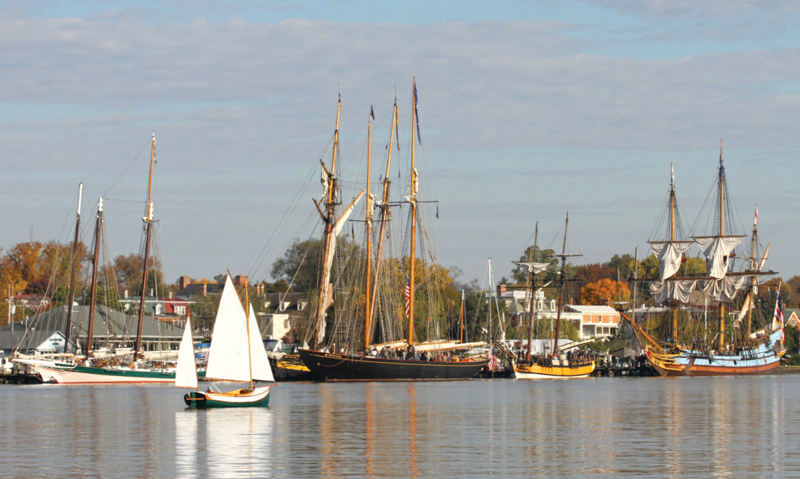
<point>678,290</point>
<point>532,267</point>
<point>725,289</point>
<point>228,358</point>
<point>186,371</point>
<point>717,249</point>
<point>670,256</point>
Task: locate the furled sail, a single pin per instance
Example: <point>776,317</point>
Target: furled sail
<point>228,358</point>
<point>673,291</point>
<point>326,295</point>
<point>724,289</point>
<point>532,268</point>
<point>716,250</point>
<point>258,355</point>
<point>186,371</point>
<point>669,254</point>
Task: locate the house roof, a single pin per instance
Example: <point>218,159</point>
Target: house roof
<point>195,289</point>
<point>592,309</point>
<point>108,323</point>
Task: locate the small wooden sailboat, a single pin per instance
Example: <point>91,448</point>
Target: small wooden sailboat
<point>555,365</point>
<point>236,355</point>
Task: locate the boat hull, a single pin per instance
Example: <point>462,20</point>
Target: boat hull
<point>92,375</point>
<point>290,368</point>
<point>764,359</point>
<point>258,397</point>
<point>337,367</point>
<point>536,371</point>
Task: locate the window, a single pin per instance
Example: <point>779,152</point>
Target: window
<point>301,305</point>
<point>158,309</point>
<point>266,304</point>
<point>180,310</point>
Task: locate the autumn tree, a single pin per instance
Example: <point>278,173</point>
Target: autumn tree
<point>604,291</point>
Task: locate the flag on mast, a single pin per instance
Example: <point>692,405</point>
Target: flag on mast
<point>408,298</point>
<point>755,221</point>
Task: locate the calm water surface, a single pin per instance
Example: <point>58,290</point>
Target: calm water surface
<point>657,427</point>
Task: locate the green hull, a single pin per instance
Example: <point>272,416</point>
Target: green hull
<point>200,400</point>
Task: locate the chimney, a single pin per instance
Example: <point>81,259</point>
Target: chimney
<point>241,281</point>
<point>170,295</point>
<point>501,289</point>
<point>184,281</point>
<point>205,289</point>
<point>151,292</point>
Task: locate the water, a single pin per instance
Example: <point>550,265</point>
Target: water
<point>636,427</point>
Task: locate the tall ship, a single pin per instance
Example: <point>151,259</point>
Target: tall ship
<point>554,364</point>
<point>358,356</point>
<point>697,347</point>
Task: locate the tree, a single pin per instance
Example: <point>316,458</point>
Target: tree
<point>604,291</point>
<point>594,272</point>
<point>299,264</point>
<point>128,272</point>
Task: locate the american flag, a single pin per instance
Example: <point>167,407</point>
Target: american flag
<point>408,298</point>
<point>778,319</point>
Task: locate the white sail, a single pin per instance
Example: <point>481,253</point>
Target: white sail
<point>258,355</point>
<point>669,254</point>
<point>228,358</point>
<point>186,372</point>
<point>326,295</point>
<point>532,268</point>
<point>725,289</point>
<point>673,291</point>
<point>716,250</point>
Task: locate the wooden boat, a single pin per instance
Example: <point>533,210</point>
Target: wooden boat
<point>236,355</point>
<point>338,366</point>
<point>753,353</point>
<point>556,366</point>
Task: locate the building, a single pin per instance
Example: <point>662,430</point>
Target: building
<point>589,321</point>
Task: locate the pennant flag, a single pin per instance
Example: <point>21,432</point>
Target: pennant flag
<point>777,320</point>
<point>416,113</point>
<point>755,221</point>
<point>371,112</point>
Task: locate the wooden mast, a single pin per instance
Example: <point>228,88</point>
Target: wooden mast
<point>672,240</point>
<point>329,218</point>
<point>367,296</point>
<point>247,322</point>
<point>461,316</point>
<point>532,282</point>
<point>148,225</point>
<point>754,281</point>
<point>384,214</point>
<point>413,202</point>
<point>74,270</point>
<point>97,233</point>
<point>721,233</point>
<point>561,286</point>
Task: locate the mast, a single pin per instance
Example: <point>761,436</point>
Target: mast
<point>384,212</point>
<point>672,240</point>
<point>148,226</point>
<point>754,281</point>
<point>97,230</point>
<point>532,282</point>
<point>461,318</point>
<point>367,308</point>
<point>413,202</point>
<point>561,286</point>
<point>74,270</point>
<point>247,321</point>
<point>327,238</point>
<point>721,233</point>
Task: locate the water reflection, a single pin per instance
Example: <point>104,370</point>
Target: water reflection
<point>224,443</point>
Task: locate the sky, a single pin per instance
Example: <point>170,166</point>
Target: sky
<point>528,110</point>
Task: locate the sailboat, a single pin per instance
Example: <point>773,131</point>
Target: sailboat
<point>85,370</point>
<point>236,355</point>
<point>751,353</point>
<point>554,365</point>
<point>344,366</point>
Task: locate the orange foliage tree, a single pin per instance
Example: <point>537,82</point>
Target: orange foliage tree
<point>604,291</point>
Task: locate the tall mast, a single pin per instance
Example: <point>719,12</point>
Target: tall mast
<point>672,239</point>
<point>721,233</point>
<point>754,281</point>
<point>532,282</point>
<point>413,202</point>
<point>97,232</point>
<point>327,237</point>
<point>247,322</point>
<point>384,213</point>
<point>367,296</point>
<point>148,226</point>
<point>561,285</point>
<point>74,270</point>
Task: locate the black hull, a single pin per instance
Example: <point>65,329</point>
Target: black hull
<point>292,372</point>
<point>337,367</point>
